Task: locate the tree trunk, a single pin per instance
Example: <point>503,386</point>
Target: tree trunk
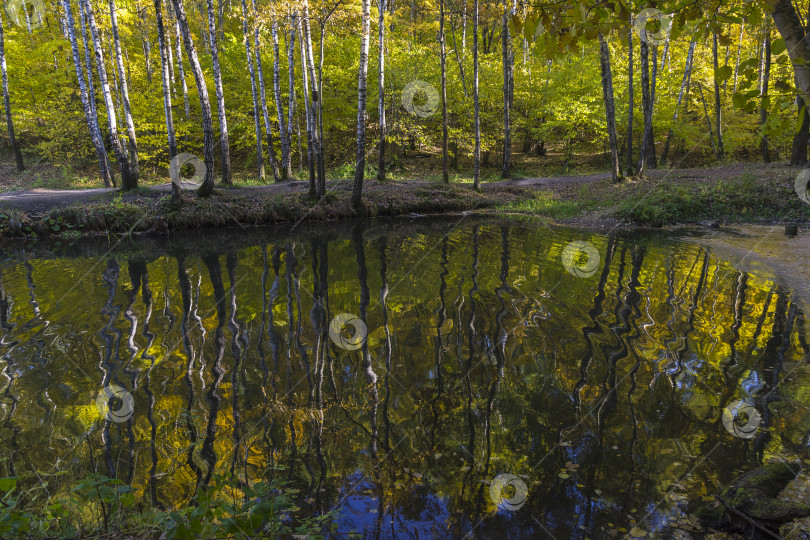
<point>181,71</point>
<point>7,103</point>
<point>476,109</point>
<point>631,99</point>
<point>443,61</point>
<point>165,54</point>
<point>112,122</point>
<point>646,99</point>
<point>764,100</point>
<point>286,167</point>
<point>132,182</point>
<point>798,48</point>
<point>314,102</point>
<point>106,169</point>
<point>207,187</point>
<point>737,62</point>
<point>610,107</point>
<point>271,150</point>
<point>92,121</point>
<point>708,121</point>
<point>313,188</point>
<point>381,98</point>
<point>717,110</point>
<point>507,132</point>
<point>360,169</point>
<point>686,72</point>
<point>256,122</point>
<point>798,154</point>
<point>223,122</point>
<point>291,91</point>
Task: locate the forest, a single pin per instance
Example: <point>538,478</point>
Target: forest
<point>263,92</point>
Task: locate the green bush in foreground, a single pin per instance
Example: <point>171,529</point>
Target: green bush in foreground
<point>99,505</point>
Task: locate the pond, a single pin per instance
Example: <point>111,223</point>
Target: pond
<point>431,377</point>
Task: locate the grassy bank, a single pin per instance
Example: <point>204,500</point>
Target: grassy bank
<point>729,194</point>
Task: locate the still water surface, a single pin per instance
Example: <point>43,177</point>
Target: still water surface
<point>602,392</point>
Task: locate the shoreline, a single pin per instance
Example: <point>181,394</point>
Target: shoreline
<point>735,194</point>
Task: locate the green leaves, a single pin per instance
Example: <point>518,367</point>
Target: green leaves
<point>723,73</point>
<point>8,484</point>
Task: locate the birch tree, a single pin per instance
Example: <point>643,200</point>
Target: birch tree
<point>220,92</point>
<point>271,150</point>
<point>7,104</point>
<point>92,120</point>
<point>610,107</point>
<point>381,97</point>
<point>360,169</point>
<point>180,71</point>
<point>207,187</point>
<point>476,107</point>
<point>283,135</point>
<point>443,59</point>
<point>165,54</point>
<point>127,179</point>
<point>119,62</point>
<point>251,71</point>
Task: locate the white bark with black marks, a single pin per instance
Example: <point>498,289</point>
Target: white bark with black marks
<point>112,121</point>
<point>92,120</point>
<point>360,168</point>
<point>207,187</point>
<point>256,122</point>
<point>224,145</point>
<point>122,78</point>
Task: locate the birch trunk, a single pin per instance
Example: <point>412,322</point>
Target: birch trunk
<point>314,102</point>
<point>271,149</point>
<point>7,103</point>
<point>223,122</point>
<point>687,70</point>
<point>476,109</point>
<point>381,98</point>
<point>646,107</point>
<point>443,53</point>
<point>313,189</point>
<point>631,100</point>
<point>507,131</point>
<point>717,111</point>
<point>180,71</point>
<point>92,120</point>
<point>122,77</point>
<point>286,168</point>
<point>360,169</point>
<point>165,78</point>
<point>107,170</point>
<point>291,89</point>
<point>610,107</point>
<point>256,123</point>
<point>764,100</point>
<point>112,122</point>
<point>207,187</point>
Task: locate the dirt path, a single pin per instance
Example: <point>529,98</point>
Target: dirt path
<point>40,200</point>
